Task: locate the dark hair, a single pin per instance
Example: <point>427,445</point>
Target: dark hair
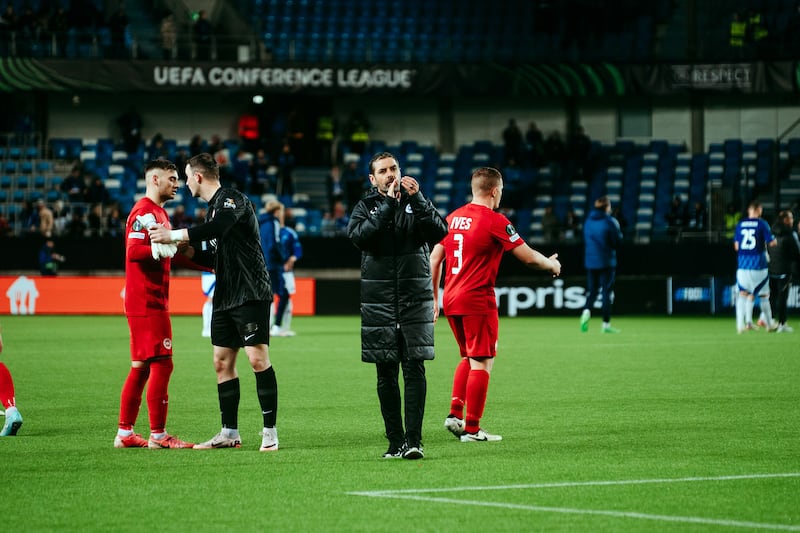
<point>205,165</point>
<point>602,203</point>
<point>485,178</point>
<point>161,164</point>
<point>378,157</point>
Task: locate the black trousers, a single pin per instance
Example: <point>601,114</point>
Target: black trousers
<point>415,390</point>
<point>778,295</point>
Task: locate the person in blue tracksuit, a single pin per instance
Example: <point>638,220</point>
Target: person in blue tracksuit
<point>602,237</point>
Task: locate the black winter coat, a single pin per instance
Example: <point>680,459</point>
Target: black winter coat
<point>395,239</point>
<point>783,257</point>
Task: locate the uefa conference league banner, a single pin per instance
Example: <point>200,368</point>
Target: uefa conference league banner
<point>490,79</point>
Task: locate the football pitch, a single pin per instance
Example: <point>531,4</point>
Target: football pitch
<point>675,424</point>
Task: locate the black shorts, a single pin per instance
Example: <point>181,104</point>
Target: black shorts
<point>246,325</point>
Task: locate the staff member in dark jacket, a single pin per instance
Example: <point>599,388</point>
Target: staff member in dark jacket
<point>242,297</point>
<point>602,237</point>
<point>395,227</point>
<point>783,258</point>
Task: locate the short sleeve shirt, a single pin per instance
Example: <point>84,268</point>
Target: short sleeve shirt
<point>474,246</point>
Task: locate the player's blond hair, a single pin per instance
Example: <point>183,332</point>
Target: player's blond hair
<point>485,179</point>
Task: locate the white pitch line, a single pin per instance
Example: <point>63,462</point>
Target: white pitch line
<point>414,494</point>
<point>577,484</point>
<point>616,514</point>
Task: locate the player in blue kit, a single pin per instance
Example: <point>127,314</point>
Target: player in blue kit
<point>752,278</point>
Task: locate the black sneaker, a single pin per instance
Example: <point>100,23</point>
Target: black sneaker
<point>395,452</point>
<point>413,452</point>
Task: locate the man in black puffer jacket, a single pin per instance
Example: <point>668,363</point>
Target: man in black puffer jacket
<point>395,226</point>
<point>783,259</point>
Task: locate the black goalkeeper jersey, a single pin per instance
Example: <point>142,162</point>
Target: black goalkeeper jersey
<point>230,234</point>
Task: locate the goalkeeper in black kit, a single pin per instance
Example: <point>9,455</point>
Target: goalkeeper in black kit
<point>229,240</point>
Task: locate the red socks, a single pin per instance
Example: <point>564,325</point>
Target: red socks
<point>6,387</point>
<point>477,385</point>
<point>157,397</point>
<point>459,388</point>
<point>131,397</point>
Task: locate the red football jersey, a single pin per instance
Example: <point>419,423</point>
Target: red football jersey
<point>146,280</point>
<point>474,246</point>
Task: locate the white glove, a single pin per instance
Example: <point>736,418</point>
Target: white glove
<point>159,250</point>
<point>148,220</point>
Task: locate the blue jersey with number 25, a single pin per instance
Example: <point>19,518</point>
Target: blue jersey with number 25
<point>752,236</point>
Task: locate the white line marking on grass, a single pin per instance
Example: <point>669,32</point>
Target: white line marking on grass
<point>414,494</point>
<point>580,484</point>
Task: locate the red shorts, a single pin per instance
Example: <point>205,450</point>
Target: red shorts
<point>476,335</point>
<point>151,336</point>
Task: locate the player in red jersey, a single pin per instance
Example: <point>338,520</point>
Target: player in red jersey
<point>477,239</point>
<point>13,418</point>
<point>147,267</point>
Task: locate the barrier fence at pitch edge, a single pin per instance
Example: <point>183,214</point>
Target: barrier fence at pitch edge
<point>535,296</point>
<point>103,295</point>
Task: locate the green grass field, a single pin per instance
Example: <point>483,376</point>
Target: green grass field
<point>676,424</point>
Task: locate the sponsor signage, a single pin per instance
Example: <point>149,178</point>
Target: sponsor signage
<point>87,295</point>
<point>488,79</point>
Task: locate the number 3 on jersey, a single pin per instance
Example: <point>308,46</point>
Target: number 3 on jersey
<point>457,253</point>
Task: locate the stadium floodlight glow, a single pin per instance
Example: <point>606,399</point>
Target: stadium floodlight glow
<point>258,99</point>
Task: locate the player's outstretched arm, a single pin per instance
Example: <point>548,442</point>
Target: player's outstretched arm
<point>535,260</point>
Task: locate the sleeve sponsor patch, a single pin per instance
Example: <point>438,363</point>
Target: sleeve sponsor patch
<point>136,234</point>
<point>229,203</point>
<point>512,233</point>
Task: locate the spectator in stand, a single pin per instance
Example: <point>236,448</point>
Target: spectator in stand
<point>216,145</point>
<point>340,218</point>
<point>579,151</point>
<point>621,220</point>
<point>355,184</point>
<point>699,219</point>
<point>259,173</point>
<point>76,227</point>
<point>179,218</point>
<point>572,226</point>
<point>114,222</point>
<point>5,227</point>
<point>677,217</point>
<point>74,185</point>
<point>551,227</point>
<point>335,187</point>
<point>555,153</point>
<point>29,217</point>
<point>8,26</point>
<point>196,145</point>
<point>27,31</point>
<point>94,220</point>
<point>49,259</point>
<point>130,124</point>
<point>512,142</point>
<point>58,26</point>
<point>118,25</point>
<point>203,36</point>
<point>732,218</point>
<point>357,132</point>
<point>46,220</point>
<point>169,37</point>
<point>97,192</point>
<point>157,149</point>
<point>62,216</point>
<point>534,146</point>
<point>286,171</point>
